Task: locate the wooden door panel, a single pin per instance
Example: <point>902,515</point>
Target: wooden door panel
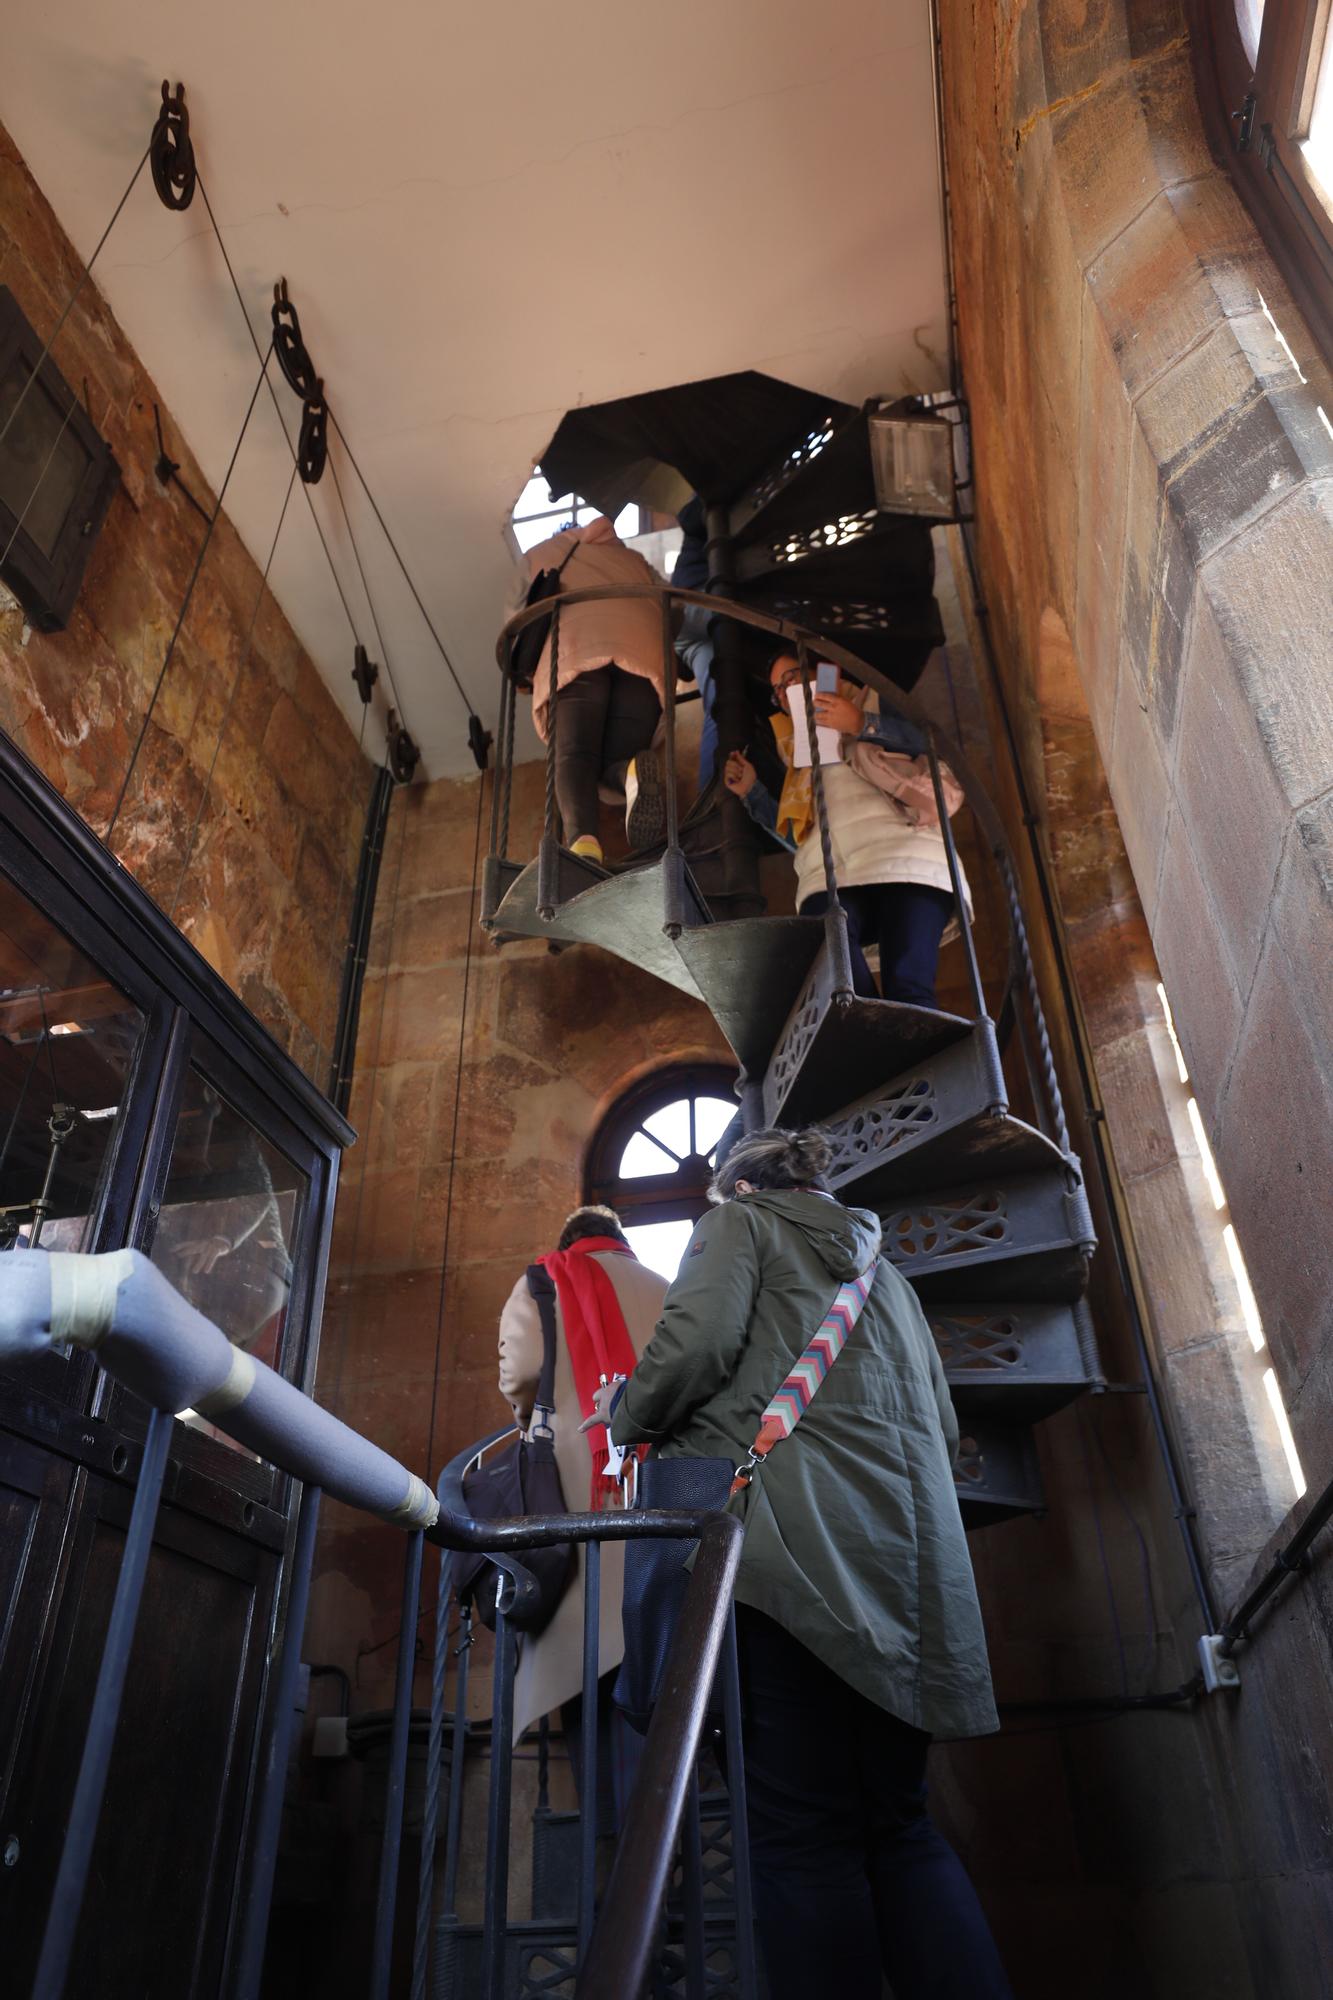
<point>154,1920</point>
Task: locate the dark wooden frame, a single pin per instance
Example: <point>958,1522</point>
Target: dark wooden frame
<point>48,586</point>
<point>70,1440</point>
<point>673,1197</point>
<point>1255,116</point>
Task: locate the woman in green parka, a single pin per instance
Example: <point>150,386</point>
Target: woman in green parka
<point>857,1618</point>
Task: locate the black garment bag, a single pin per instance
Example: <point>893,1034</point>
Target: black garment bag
<point>526,651</point>
<point>523,1478</point>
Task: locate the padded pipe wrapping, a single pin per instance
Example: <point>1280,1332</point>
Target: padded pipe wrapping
<point>151,1339</point>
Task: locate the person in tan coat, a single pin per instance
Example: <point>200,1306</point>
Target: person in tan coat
<point>610,685</point>
<point>550,1666</point>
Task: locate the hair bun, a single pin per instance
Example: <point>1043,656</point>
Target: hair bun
<point>809,1154</point>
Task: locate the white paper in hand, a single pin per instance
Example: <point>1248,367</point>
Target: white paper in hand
<point>830,741</point>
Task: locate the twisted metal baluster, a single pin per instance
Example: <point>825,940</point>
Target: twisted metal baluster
<point>673,873</point>
<point>508,773</point>
<point>430,1817</point>
<point>548,862</point>
<point>955,875</point>
<point>1054,1100</point>
<point>835,918</point>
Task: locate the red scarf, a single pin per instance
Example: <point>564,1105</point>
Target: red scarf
<point>595,1334</point>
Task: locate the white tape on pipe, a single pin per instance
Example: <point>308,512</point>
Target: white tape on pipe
<point>84,1292</point>
<point>240,1380</point>
<point>419,1508</point>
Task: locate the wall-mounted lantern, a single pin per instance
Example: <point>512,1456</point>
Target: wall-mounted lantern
<point>912,451</point>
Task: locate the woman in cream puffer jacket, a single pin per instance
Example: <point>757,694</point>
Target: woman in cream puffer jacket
<point>890,866</point>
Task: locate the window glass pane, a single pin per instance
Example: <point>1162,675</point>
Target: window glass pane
<point>1318,147</point>
<point>67,1044</point>
<point>660,1245</point>
<point>228,1219</point>
<point>530,534</point>
<point>642,1156</point>
<point>712,1115</point>
<point>671,1127</point>
<point>1250,18</point>
<point>627,522</point>
<point>43,460</point>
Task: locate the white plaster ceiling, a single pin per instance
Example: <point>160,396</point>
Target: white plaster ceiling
<point>487,214</point>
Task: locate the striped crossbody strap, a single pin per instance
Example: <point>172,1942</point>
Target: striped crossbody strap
<point>785,1409</point>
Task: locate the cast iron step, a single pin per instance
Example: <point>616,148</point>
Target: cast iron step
<point>623,913</point>
<point>1027,1239</point>
<point>943,1121</point>
<point>749,971</point>
<point>996,1474</point>
<point>1017,1363</point>
<point>832,1052</point>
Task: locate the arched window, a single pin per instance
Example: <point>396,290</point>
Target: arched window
<point>1265,75</point>
<point>654,1156</point>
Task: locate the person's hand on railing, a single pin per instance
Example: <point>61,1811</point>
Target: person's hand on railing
<point>602,1404</point>
<point>739,775</point>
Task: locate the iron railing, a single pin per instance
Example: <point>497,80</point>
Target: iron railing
<point>157,1345</point>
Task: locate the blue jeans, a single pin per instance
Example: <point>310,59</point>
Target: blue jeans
<point>694,648</point>
<point>907,921</point>
<point>852,1883</point>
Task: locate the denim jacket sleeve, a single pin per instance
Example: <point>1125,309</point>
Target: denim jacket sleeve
<point>762,807</point>
<point>894,732</point>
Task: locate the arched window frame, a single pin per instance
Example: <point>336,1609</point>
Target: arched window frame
<point>680,1195</point>
<point>1256,116</point>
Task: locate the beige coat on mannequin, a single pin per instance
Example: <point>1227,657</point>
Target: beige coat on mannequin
<point>550,1667</point>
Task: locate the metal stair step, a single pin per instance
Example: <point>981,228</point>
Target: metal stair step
<point>1026,1239</point>
<point>749,971</point>
<point>1014,1362</point>
<point>942,1121</point>
<point>622,912</point>
<point>831,1049</point>
<point>997,1475</point>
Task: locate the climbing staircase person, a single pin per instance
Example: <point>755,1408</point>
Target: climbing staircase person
<point>788,1345</point>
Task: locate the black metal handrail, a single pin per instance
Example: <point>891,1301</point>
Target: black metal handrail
<point>942,747</point>
<point>155,1343</point>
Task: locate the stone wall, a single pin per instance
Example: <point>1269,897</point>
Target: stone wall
<point>1153,525</point>
<point>244,809</point>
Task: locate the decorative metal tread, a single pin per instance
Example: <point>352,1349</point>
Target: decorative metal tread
<point>833,1049</point>
<point>623,913</point>
<point>540,1961</point>
<point>936,1124</point>
<point>1013,1361</point>
<point>996,1473</point>
<point>749,971</point>
<point>1029,1238</point>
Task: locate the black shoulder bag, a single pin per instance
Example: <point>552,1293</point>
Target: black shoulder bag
<point>523,1478</point>
<point>526,651</point>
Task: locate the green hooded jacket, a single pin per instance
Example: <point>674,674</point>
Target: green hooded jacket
<point>853,1541</point>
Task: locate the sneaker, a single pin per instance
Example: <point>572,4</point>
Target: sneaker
<point>588,848</point>
<point>645,801</point>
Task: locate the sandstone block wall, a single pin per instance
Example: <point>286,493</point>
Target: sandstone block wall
<point>244,813</point>
<point>1153,522</point>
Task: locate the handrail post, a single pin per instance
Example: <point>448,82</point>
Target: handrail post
<point>955,875</point>
<point>618,1957</point>
<point>835,917</point>
<point>395,1791</point>
<point>430,1816</point>
<point>673,873</point>
<point>495,1923</point>
<point>257,1893</point>
<point>592,1633</point>
<point>548,860</point>
<point>85,1808</point>
<point>490,886</point>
